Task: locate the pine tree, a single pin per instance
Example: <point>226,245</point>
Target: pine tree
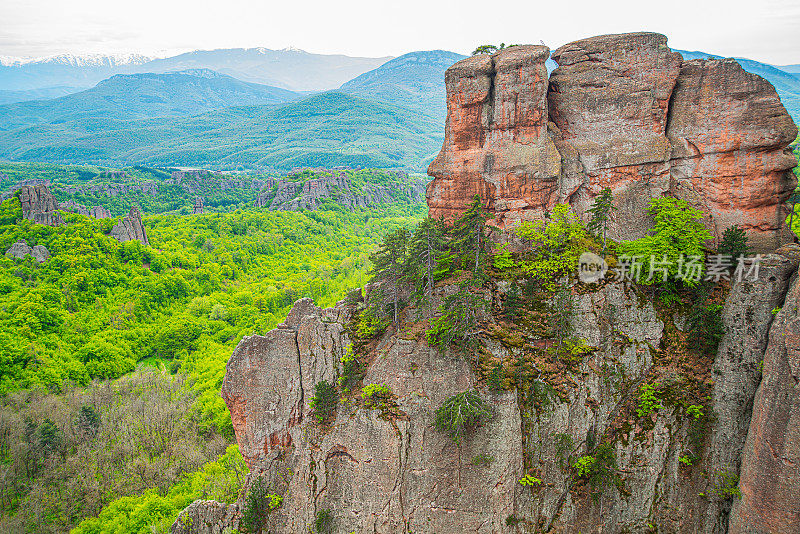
<point>513,302</point>
<point>389,264</point>
<point>468,233</point>
<point>425,246</point>
<point>601,213</point>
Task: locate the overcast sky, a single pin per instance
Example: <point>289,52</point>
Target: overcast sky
<point>765,30</point>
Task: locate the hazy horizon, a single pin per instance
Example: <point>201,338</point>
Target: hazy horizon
<point>41,28</point>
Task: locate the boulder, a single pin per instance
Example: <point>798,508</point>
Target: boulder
<point>130,228</point>
<point>20,249</point>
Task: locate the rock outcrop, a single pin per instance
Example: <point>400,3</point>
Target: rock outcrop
<point>20,249</point>
<point>291,195</point>
<point>769,480</point>
<point>199,205</point>
<point>130,228</point>
<point>392,472</point>
<point>39,205</point>
<point>97,212</point>
<point>626,113</point>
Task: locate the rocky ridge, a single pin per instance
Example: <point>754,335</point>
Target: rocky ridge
<point>623,112</point>
<point>717,454</point>
<point>290,195</point>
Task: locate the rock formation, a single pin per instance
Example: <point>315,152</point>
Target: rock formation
<point>39,205</point>
<point>290,195</point>
<point>625,113</point>
<point>20,249</point>
<point>769,478</point>
<point>622,112</point>
<point>97,212</point>
<point>199,205</point>
<point>395,473</point>
<point>130,228</point>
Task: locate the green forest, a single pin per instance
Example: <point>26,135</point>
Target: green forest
<point>113,354</point>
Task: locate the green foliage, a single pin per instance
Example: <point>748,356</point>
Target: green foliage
<point>685,460</point>
<point>352,369</point>
<point>490,48</point>
<point>458,321</point>
<point>466,236</point>
<point>460,413</point>
<point>599,470</point>
<point>324,401</point>
<point>483,460</point>
<point>258,504</point>
<point>555,244</point>
<point>220,480</point>
<point>707,328</point>
<point>503,258</point>
<point>694,411</point>
<point>95,311</point>
<point>678,233</point>
<point>726,486</point>
<point>389,265</point>
<point>496,377</point>
<point>376,396</point>
<point>323,523</point>
<point>734,242</point>
<point>600,214</point>
<point>648,401</point>
<point>530,481</point>
<point>512,305</point>
<point>370,324</point>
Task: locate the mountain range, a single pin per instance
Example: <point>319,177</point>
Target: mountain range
<point>290,68</point>
<point>216,110</point>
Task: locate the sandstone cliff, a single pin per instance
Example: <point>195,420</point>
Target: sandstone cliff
<point>624,112</point>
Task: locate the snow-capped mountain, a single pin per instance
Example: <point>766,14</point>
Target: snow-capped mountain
<point>290,68</point>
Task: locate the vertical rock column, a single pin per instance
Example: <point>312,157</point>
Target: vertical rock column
<point>609,99</point>
<point>496,141</point>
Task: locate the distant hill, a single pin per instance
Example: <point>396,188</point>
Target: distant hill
<point>413,80</point>
<point>64,70</point>
<point>290,68</point>
<point>328,129</point>
<point>45,93</point>
<point>133,96</point>
<point>787,85</point>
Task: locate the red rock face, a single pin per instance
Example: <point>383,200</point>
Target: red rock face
<point>729,134</point>
<point>626,113</point>
<point>496,140</point>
